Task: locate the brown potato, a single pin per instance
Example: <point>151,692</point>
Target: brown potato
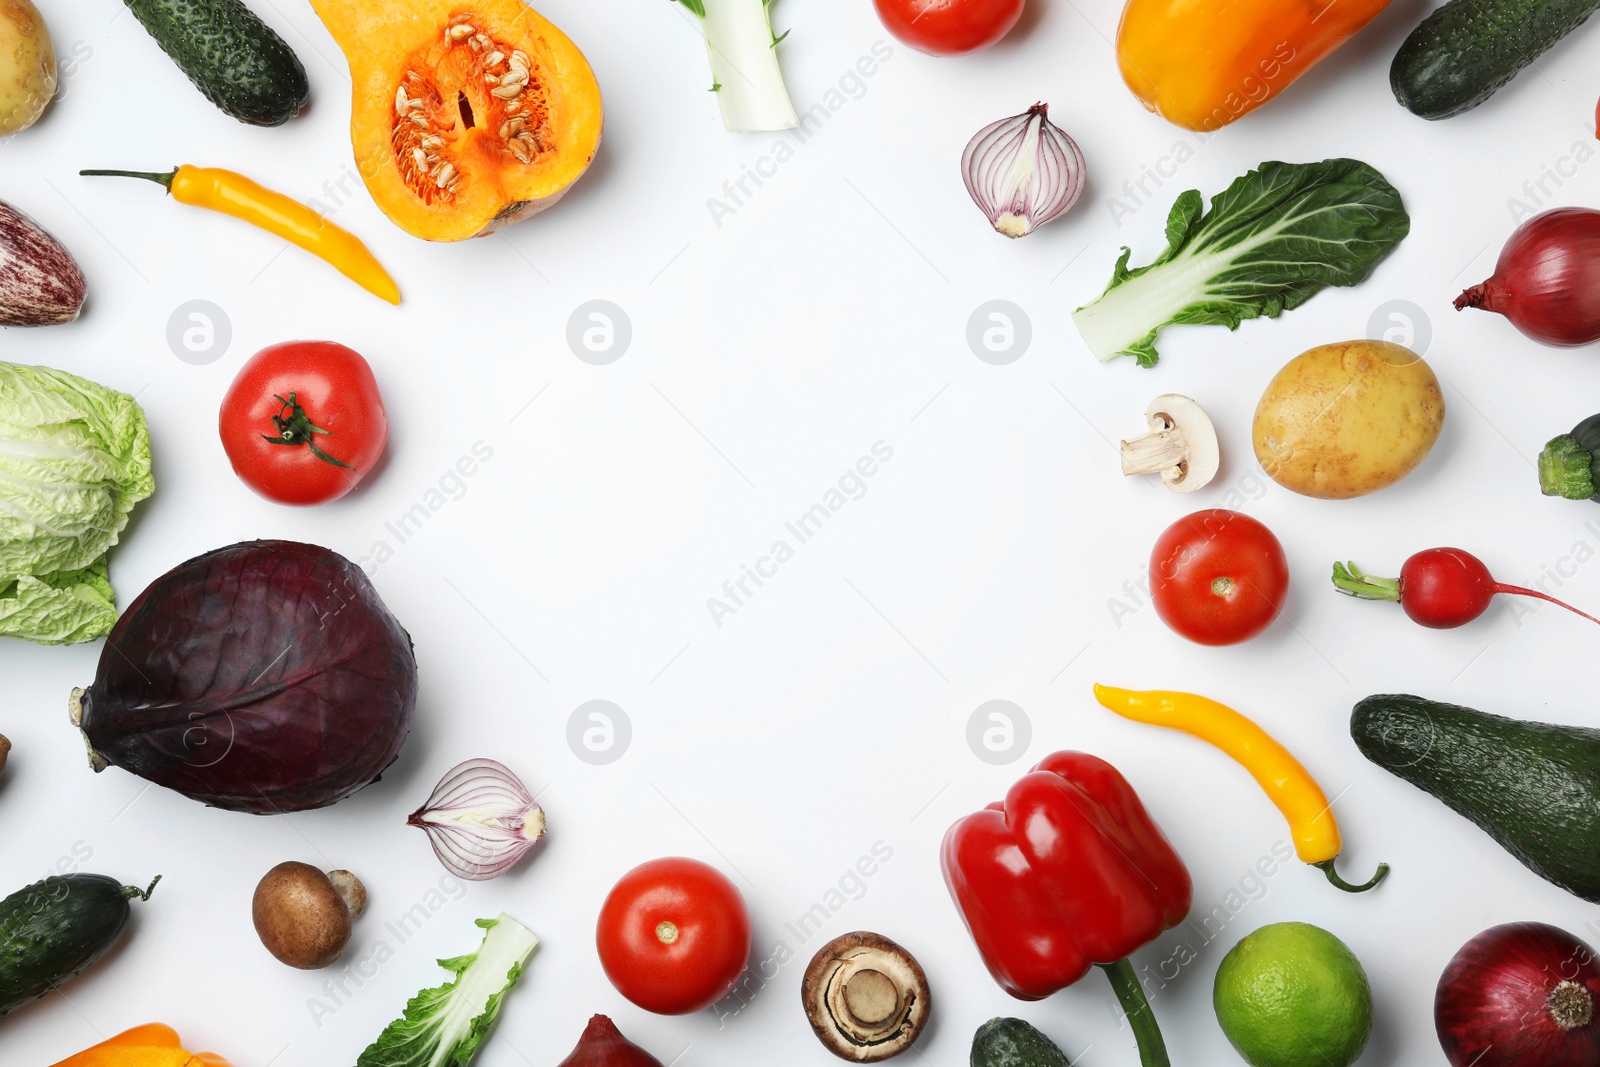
<point>1347,419</point>
<point>27,65</point>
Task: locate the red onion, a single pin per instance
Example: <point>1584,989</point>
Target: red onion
<point>1023,171</point>
<point>1520,995</point>
<point>1547,280</point>
<point>480,819</point>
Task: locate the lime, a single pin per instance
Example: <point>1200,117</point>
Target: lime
<point>1292,995</point>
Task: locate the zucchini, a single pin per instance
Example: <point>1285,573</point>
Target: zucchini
<point>232,57</point>
<point>1466,50</point>
<point>1014,1043</point>
<point>1569,466</point>
<point>52,931</point>
<point>1533,787</point>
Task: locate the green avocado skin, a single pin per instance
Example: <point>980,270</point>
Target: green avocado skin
<point>1014,1043</point>
<point>1466,50</point>
<point>232,57</point>
<point>1533,787</point>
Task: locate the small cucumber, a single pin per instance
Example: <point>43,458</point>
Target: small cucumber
<point>1014,1043</point>
<point>52,931</point>
<point>1468,49</point>
<point>232,57</point>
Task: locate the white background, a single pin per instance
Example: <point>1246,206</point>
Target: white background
<point>828,313</point>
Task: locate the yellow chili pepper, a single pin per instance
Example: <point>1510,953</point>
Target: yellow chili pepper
<point>233,194</point>
<point>1286,783</point>
<point>150,1045</point>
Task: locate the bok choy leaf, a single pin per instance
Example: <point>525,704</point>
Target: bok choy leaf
<point>1272,240</point>
<point>444,1026</point>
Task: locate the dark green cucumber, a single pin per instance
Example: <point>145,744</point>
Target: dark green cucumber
<point>1533,787</point>
<point>1467,49</point>
<point>232,57</point>
<point>52,931</point>
<point>1569,466</point>
<point>1014,1043</point>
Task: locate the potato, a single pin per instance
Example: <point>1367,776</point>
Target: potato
<point>1348,419</point>
<point>27,65</point>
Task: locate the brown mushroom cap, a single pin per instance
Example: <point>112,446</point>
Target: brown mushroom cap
<point>303,916</point>
<point>5,750</point>
<point>867,998</point>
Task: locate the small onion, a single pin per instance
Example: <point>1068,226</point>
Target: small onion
<point>480,819</point>
<point>1023,171</point>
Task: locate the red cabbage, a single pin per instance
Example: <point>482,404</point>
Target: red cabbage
<point>264,677</point>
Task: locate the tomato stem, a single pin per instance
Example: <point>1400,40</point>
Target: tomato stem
<point>296,428</point>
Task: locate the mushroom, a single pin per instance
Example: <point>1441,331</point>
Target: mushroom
<point>1182,445</point>
<point>303,916</point>
<point>5,750</point>
<point>866,997</point>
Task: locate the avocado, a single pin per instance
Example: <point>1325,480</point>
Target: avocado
<point>1533,787</point>
<point>232,57</point>
<point>1014,1043</point>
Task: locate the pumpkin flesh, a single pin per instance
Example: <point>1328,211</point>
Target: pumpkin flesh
<point>465,116</point>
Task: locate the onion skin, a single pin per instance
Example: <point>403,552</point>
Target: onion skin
<point>602,1045</point>
<point>1547,280</point>
<point>264,677</point>
<point>1493,1005</point>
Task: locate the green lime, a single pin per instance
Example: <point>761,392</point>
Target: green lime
<point>1292,995</point>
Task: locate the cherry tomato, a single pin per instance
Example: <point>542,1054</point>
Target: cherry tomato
<point>674,936</point>
<point>303,422</point>
<point>949,27</point>
<point>1218,577</point>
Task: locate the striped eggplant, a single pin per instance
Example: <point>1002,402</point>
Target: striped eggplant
<point>40,283</point>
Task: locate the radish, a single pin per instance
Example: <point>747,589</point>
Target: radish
<point>1437,587</point>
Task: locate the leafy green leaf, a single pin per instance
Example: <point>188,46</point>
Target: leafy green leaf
<point>445,1025</point>
<point>74,460</point>
<point>1272,240</point>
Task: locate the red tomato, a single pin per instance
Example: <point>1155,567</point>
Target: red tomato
<point>1218,577</point>
<point>674,936</point>
<point>948,27</point>
<point>303,422</point>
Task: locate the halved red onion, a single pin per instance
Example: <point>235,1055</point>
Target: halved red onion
<point>480,819</point>
<point>1023,171</point>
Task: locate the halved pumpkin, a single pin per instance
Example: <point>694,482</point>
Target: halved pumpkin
<point>468,115</point>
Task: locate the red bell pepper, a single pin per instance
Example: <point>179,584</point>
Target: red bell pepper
<point>1069,871</point>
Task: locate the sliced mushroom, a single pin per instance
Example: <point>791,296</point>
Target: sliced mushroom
<point>304,917</point>
<point>866,997</point>
<point>1182,445</point>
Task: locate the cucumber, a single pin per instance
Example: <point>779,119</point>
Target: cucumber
<point>52,931</point>
<point>1532,786</point>
<point>1468,49</point>
<point>1014,1043</point>
<point>1569,466</point>
<point>232,57</point>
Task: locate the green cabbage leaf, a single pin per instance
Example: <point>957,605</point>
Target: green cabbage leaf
<point>74,460</point>
<point>1272,240</point>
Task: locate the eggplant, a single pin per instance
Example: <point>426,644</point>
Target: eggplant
<point>40,283</point>
<point>264,677</point>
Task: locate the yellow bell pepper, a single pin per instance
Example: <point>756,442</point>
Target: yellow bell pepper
<point>150,1045</point>
<point>1201,64</point>
<point>1286,783</point>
